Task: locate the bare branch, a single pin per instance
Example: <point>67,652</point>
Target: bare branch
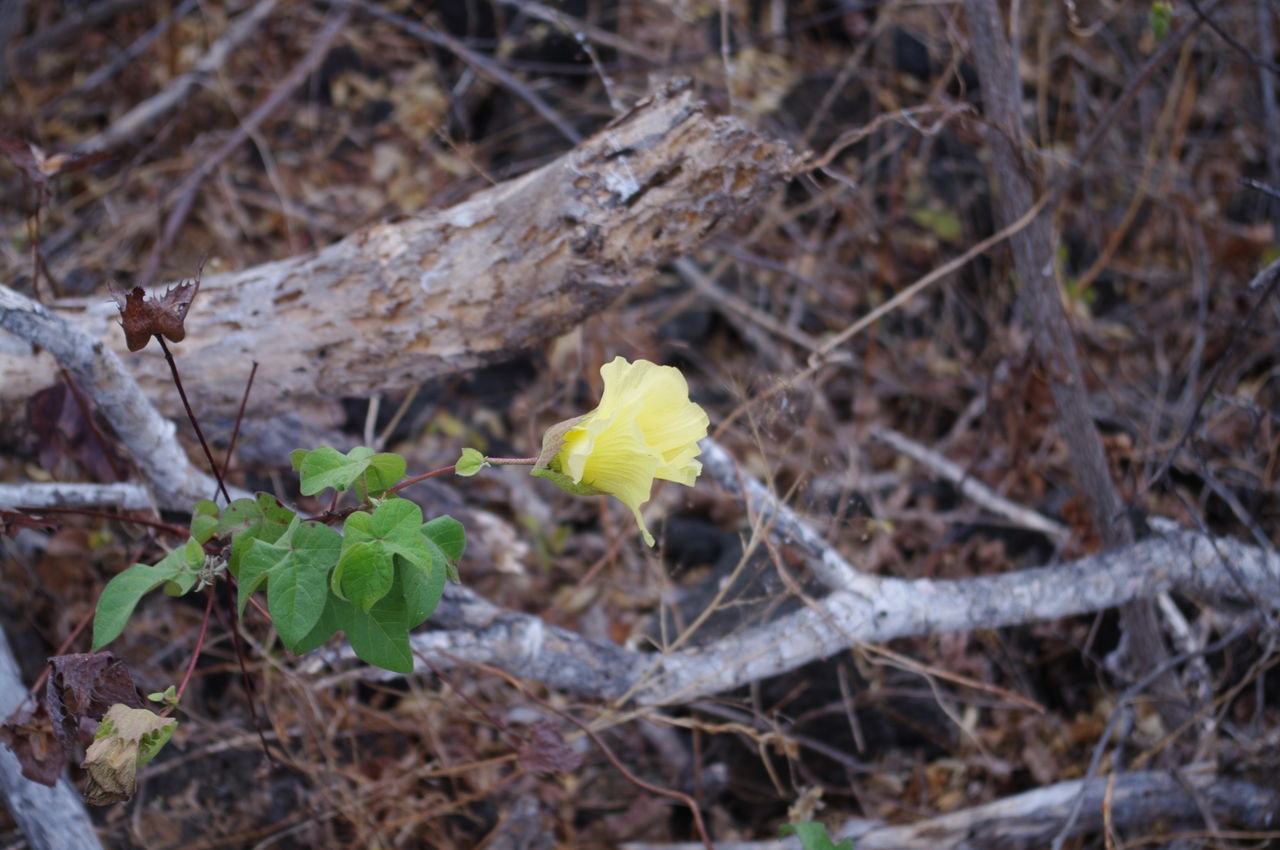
<point>146,435</point>
<point>1143,801</point>
<point>437,294</point>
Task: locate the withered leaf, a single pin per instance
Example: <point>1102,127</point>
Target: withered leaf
<point>545,751</point>
<point>29,734</point>
<point>86,684</point>
<point>11,521</point>
<point>126,740</point>
<point>38,167</point>
<point>144,317</point>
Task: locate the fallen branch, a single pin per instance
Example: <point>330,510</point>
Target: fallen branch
<point>871,609</point>
<point>146,435</point>
<point>125,496</point>
<point>399,303</point>
<point>1148,802</point>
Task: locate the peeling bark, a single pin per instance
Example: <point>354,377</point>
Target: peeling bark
<point>399,303</point>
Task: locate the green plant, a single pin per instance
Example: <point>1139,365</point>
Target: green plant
<point>381,576</point>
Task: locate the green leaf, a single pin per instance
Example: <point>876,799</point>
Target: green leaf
<point>364,574</point>
<point>566,483</point>
<point>381,635</point>
<point>296,567</point>
<point>204,521</point>
<point>326,467</point>
<point>813,836</point>
<point>324,628</point>
<point>122,593</point>
<point>423,585</point>
<point>260,518</point>
<point>385,469</point>
<point>370,543</point>
<point>449,534</point>
<point>469,463</point>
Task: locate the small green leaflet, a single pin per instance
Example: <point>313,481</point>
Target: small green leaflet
<point>813,836</point>
<point>470,463</point>
<point>326,467</point>
<point>204,521</point>
<point>296,571</point>
<point>122,593</point>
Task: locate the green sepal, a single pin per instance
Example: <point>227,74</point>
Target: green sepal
<point>553,441</point>
<point>566,483</point>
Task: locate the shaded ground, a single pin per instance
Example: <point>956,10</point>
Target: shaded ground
<point>1157,243</point>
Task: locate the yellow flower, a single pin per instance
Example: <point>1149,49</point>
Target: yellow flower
<point>644,428</point>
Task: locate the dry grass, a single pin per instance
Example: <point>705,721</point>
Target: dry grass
<point>1157,238</point>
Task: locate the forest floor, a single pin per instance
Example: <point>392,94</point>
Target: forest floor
<point>1157,241</point>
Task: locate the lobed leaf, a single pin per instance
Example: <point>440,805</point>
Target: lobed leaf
<point>296,570</point>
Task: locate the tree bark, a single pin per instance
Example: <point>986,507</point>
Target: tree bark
<point>399,303</point>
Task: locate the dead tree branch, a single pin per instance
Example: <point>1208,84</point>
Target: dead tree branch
<point>146,435</point>
<point>399,303</point>
<point>1055,342</point>
<point>1140,802</point>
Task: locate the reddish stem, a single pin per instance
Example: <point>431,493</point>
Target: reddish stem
<point>195,423</point>
<point>423,477</point>
<point>235,430</point>
<point>195,656</point>
<point>493,461</point>
<point>154,523</point>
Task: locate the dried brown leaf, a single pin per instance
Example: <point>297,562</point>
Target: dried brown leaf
<point>29,734</point>
<point>86,684</point>
<point>143,317</point>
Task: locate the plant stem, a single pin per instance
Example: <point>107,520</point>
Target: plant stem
<point>493,461</point>
<point>195,656</point>
<point>177,382</point>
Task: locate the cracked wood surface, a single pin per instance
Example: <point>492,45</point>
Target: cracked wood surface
<point>398,303</point>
